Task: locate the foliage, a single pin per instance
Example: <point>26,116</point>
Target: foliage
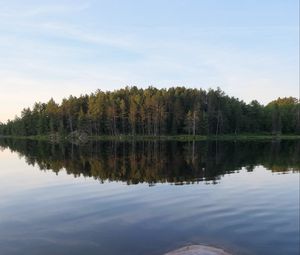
<point>156,112</point>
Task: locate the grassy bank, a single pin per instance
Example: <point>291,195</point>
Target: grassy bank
<point>169,137</point>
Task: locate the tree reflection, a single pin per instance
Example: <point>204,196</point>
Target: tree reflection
<point>154,161</point>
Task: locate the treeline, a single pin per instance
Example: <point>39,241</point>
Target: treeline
<point>154,112</point>
<point>158,162</point>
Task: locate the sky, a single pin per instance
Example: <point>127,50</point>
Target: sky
<point>54,48</point>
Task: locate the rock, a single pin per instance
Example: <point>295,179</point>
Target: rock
<point>54,137</point>
<point>78,137</point>
<point>198,250</point>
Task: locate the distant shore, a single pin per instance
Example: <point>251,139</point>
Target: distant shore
<point>183,138</point>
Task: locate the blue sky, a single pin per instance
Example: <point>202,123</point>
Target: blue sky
<point>249,48</point>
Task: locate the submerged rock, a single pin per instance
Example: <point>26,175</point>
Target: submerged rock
<point>198,250</point>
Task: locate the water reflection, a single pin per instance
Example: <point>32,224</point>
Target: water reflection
<point>154,161</point>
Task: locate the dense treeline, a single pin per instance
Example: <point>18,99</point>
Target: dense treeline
<point>154,161</point>
<point>156,112</point>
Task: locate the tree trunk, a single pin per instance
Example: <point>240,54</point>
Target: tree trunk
<point>71,123</point>
<point>194,123</point>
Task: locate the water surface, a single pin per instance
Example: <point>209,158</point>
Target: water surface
<point>149,197</point>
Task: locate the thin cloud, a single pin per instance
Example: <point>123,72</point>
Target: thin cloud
<point>19,11</point>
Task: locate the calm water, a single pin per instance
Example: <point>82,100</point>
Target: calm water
<point>149,198</point>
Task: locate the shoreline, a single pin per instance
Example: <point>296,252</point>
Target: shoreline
<point>179,138</point>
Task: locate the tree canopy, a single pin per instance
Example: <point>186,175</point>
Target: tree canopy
<point>154,112</point>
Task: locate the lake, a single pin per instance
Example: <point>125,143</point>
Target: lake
<point>149,197</point>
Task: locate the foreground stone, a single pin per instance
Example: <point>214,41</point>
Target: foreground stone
<point>198,250</point>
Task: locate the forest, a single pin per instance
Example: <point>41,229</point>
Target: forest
<point>155,112</point>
